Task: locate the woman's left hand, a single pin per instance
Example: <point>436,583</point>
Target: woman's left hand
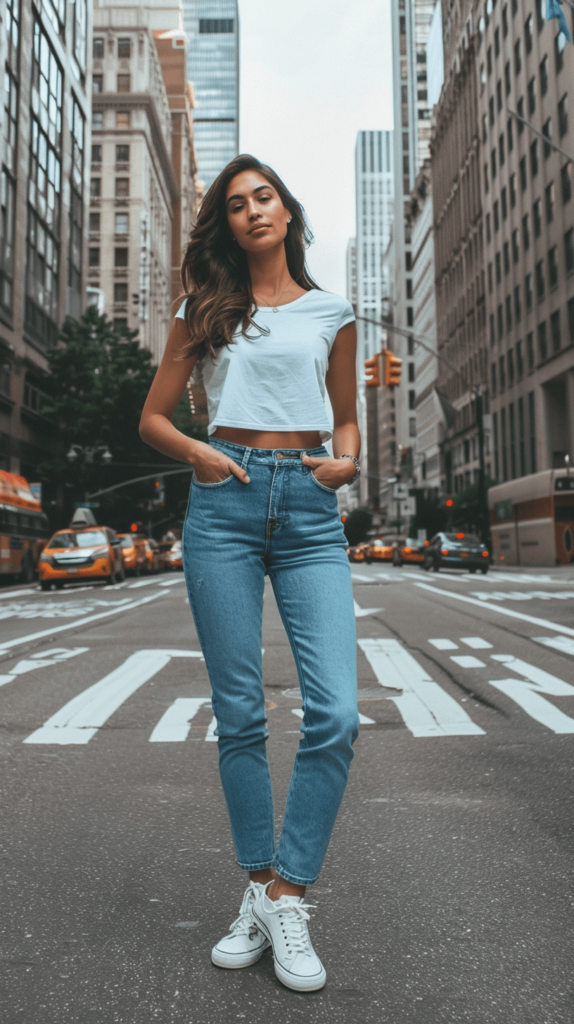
<point>330,472</point>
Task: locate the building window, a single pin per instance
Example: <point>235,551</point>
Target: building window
<point>509,135</point>
<point>517,307</point>
<point>497,42</point>
<point>530,349</point>
<point>123,119</point>
<point>498,265</point>
<point>508,304</point>
<point>493,163</point>
<point>566,182</point>
<point>121,257</point>
<point>499,96</point>
<point>506,254</point>
<point>510,367</point>
<point>523,174</point>
<point>507,79</point>
<point>124,83</point>
<point>559,44</point>
<point>490,278</point>
<point>489,60</point>
<point>528,291</point>
<point>547,131</point>
<point>94,223</point>
<point>537,218</point>
<point>411,373</point>
<point>120,292</point>
<point>77,131</point>
<point>515,246</point>
<point>94,257</point>
<point>97,120</point>
<point>517,57</point>
<point>411,399</point>
<point>484,128</point>
<point>502,374</point>
<point>532,95</point>
<point>540,284</point>
<point>542,342</point>
<point>555,331</point>
<point>503,203</point>
<point>501,150</point>
<point>122,154</point>
<point>80,32</point>
<point>95,188</point>
<point>553,266</point>
<point>519,360</point>
<point>571,319</point>
<point>96,154</point>
<point>496,215</point>
<point>56,11</point>
<point>122,188</point>
<point>121,224</point>
<point>124,48</point>
<point>526,232</point>
<point>532,423</point>
<point>512,190</point>
<point>98,48</point>
<point>493,380</point>
<point>410,318</point>
<point>528,33</point>
<point>563,115</point>
<point>521,436</point>
<point>500,315</point>
<point>534,157</point>
<point>486,186</point>
<point>412,426</point>
<point>520,112</point>
<point>97,83</point>
<point>491,110</point>
<point>569,250</point>
<point>209,26</point>
<point>491,328</point>
<point>549,198</point>
<point>505,21</point>
<point>488,231</point>
<point>544,76</point>
<point>495,441</point>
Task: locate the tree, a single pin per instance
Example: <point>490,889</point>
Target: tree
<point>357,526</point>
<point>466,508</point>
<point>430,516</point>
<point>98,382</point>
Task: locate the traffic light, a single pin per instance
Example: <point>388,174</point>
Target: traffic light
<point>134,527</point>
<point>449,502</point>
<point>159,493</point>
<point>372,371</point>
<point>392,371</point>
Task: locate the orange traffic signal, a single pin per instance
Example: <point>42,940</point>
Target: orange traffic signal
<point>393,366</point>
<point>134,527</point>
<point>372,372</point>
<point>449,502</point>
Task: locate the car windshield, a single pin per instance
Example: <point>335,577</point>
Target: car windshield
<point>126,542</point>
<point>462,538</point>
<point>78,540</point>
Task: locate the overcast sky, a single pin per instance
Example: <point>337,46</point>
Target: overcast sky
<point>314,73</point>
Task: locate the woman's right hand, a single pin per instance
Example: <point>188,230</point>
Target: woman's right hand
<point>211,466</point>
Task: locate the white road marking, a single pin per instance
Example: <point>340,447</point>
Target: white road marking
<point>565,644</point>
<point>426,708</point>
<point>79,719</point>
<point>476,642</point>
<point>43,660</point>
<point>18,593</point>
<point>545,623</point>
<point>527,694</point>
<point>364,579</point>
<point>518,595</point>
<point>444,645</point>
<point>175,723</point>
<point>467,661</point>
<point>141,583</point>
<point>210,736</point>
<point>170,583</point>
<point>6,645</point>
<point>360,612</point>
<point>363,720</point>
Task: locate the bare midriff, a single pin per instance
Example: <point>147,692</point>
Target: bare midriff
<point>305,439</point>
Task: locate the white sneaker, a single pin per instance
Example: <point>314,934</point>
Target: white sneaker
<point>245,942</point>
<point>284,922</point>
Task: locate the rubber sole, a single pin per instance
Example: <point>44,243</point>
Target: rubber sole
<point>287,979</point>
<point>234,963</point>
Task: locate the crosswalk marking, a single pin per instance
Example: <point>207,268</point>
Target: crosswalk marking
<point>79,719</point>
<point>565,644</point>
<point>476,642</point>
<point>363,719</point>
<point>175,723</point>
<point>500,610</point>
<point>360,612</point>
<point>526,693</point>
<point>45,659</point>
<point>363,579</point>
<point>444,645</point>
<point>426,708</point>
<point>467,661</point>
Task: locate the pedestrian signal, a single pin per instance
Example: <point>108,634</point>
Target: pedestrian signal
<point>449,503</point>
<point>393,366</point>
<point>372,372</point>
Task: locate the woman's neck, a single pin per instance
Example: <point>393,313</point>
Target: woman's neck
<point>268,270</point>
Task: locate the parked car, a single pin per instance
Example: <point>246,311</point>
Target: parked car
<point>409,550</point>
<point>79,554</point>
<point>154,557</point>
<point>356,553</point>
<point>174,557</point>
<point>380,550</point>
<point>134,554</point>
<point>456,551</point>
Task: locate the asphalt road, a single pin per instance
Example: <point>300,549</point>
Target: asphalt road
<point>447,892</point>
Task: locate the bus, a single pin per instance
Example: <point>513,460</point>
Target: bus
<point>532,519</point>
<point>24,528</point>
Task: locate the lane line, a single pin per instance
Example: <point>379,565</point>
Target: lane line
<point>363,719</point>
<point>527,693</point>
<point>175,724</point>
<point>364,579</point>
<point>5,646</point>
<point>16,593</point>
<point>360,612</point>
<point>79,719</point>
<point>427,710</point>
<point>564,644</point>
<point>476,642</point>
<point>467,661</point>
<point>46,659</point>
<point>444,644</point>
<point>499,609</point>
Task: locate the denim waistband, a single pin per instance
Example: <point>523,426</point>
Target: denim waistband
<point>243,454</point>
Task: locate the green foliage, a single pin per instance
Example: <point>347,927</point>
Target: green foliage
<point>466,508</point>
<point>359,522</point>
<point>430,516</point>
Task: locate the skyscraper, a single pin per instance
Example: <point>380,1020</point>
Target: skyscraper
<point>212,27</point>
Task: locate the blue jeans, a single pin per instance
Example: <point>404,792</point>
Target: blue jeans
<point>284,523</point>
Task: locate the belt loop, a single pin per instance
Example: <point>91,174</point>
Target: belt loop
<point>245,458</point>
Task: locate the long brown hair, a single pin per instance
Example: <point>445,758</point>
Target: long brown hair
<point>215,273</point>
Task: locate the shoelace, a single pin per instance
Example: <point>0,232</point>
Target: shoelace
<point>245,924</point>
<point>294,919</point>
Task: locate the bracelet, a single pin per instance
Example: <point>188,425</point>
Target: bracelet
<point>357,465</point>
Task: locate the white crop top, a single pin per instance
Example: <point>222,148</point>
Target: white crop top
<point>276,381</point>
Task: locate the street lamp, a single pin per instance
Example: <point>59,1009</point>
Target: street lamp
<point>88,453</point>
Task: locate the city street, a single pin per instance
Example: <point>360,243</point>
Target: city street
<point>446,895</point>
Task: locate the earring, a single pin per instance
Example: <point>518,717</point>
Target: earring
<point>289,219</point>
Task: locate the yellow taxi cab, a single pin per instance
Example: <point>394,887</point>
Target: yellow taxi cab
<point>411,551</point>
<point>380,550</point>
<point>356,553</point>
<point>134,554</point>
<point>154,557</point>
<point>174,557</point>
<point>80,553</point>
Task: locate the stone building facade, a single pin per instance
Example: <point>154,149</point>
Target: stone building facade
<point>44,178</point>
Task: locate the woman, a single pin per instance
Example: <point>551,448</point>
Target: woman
<point>264,340</point>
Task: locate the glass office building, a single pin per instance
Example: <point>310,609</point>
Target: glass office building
<point>212,27</point>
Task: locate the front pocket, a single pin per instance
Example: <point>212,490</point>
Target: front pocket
<point>218,483</point>
<point>330,490</point>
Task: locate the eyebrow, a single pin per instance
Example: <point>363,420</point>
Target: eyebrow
<point>255,190</point>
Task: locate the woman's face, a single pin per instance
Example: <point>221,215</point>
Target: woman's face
<point>255,213</point>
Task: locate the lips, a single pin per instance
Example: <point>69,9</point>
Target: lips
<point>258,227</point>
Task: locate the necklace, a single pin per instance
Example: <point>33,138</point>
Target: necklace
<point>275,307</point>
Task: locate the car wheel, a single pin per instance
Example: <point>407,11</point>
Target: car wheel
<point>45,585</point>
<point>472,569</point>
<point>435,566</point>
<point>369,561</point>
<point>484,571</point>
<point>27,572</point>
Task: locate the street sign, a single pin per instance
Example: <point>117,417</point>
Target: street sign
<point>400,492</point>
<point>409,507</point>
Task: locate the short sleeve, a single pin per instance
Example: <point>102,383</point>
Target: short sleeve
<point>346,315</point>
<point>181,311</point>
